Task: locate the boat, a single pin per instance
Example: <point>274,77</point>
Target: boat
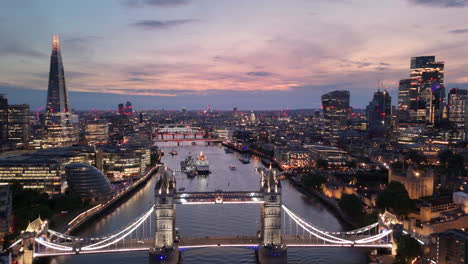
<point>173,152</point>
<point>188,166</point>
<point>228,150</point>
<point>232,167</point>
<point>202,164</point>
<point>245,160</point>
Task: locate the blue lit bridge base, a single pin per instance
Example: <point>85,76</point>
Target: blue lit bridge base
<point>155,232</point>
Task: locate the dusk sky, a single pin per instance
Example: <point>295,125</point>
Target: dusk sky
<point>253,54</point>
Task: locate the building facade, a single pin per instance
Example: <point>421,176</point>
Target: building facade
<point>427,92</point>
<point>458,112</point>
<point>418,182</point>
<point>404,89</point>
<point>379,110</point>
<point>97,132</point>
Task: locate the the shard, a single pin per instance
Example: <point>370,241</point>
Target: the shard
<point>60,131</point>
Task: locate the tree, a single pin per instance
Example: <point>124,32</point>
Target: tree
<point>408,249</point>
<point>396,198</point>
<point>351,205</point>
<point>313,180</point>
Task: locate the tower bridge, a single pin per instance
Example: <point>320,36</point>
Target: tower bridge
<point>155,230</point>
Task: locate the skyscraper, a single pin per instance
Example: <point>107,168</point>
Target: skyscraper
<point>58,126</point>
<point>404,99</point>
<point>427,92</point>
<point>128,110</point>
<point>336,111</point>
<point>379,110</point>
<point>18,124</point>
<point>336,105</point>
<point>458,112</point>
<point>3,120</point>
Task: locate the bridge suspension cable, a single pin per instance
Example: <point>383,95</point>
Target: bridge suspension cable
<point>53,245</point>
<point>120,235</point>
<point>326,236</point>
<point>316,232</point>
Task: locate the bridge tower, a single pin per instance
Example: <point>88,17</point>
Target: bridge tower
<point>390,221</point>
<point>164,251</point>
<point>36,228</point>
<point>271,249</point>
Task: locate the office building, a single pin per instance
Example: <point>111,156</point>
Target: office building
<point>379,110</point>
<point>3,121</point>
<point>404,89</point>
<point>336,111</point>
<point>6,206</point>
<point>39,174</point>
<point>427,92</point>
<point>18,124</point>
<point>88,182</point>
<point>458,112</point>
<point>449,247</point>
<point>97,132</point>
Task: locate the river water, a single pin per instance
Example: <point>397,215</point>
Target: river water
<point>219,219</point>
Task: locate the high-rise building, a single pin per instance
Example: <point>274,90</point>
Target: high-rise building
<point>379,110</point>
<point>427,92</point>
<point>336,111</point>
<point>3,121</point>
<point>336,105</point>
<point>128,110</point>
<point>59,128</point>
<point>449,247</point>
<point>458,112</point>
<point>121,109</point>
<point>18,124</point>
<point>97,132</point>
<point>404,89</point>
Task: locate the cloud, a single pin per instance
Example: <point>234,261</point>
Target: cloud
<point>136,80</point>
<point>441,3</point>
<point>459,31</point>
<point>18,49</point>
<point>259,74</point>
<point>139,73</point>
<point>159,3</point>
<point>161,24</point>
<point>167,2</point>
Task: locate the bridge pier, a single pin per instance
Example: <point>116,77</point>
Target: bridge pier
<point>271,250</point>
<point>28,241</point>
<point>164,250</point>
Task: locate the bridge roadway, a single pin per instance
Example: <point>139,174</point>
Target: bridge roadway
<point>189,140</point>
<point>217,197</point>
<point>130,245</point>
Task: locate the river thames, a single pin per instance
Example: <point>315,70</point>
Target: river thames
<point>219,219</point>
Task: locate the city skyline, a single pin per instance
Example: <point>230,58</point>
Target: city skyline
<point>162,54</point>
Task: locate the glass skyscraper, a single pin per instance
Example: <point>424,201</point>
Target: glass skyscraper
<point>458,112</point>
<point>60,131</point>
<point>427,92</point>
